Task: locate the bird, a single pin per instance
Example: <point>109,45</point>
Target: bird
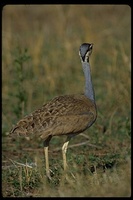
<point>64,115</point>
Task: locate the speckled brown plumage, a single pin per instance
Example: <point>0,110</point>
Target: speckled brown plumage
<point>69,114</point>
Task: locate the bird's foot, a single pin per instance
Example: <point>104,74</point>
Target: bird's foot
<point>49,177</point>
<point>49,173</point>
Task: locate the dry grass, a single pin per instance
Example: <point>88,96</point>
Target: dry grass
<point>29,181</point>
<point>52,35</point>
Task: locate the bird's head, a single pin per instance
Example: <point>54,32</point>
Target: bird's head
<point>85,51</point>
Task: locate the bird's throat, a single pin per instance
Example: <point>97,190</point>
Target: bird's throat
<point>89,91</point>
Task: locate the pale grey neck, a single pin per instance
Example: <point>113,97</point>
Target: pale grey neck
<point>89,92</point>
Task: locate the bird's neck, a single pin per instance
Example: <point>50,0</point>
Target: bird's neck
<point>89,91</point>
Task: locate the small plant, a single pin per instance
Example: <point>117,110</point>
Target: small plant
<point>21,57</point>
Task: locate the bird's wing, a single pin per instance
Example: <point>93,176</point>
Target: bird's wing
<point>66,105</point>
<point>62,115</point>
<point>68,124</point>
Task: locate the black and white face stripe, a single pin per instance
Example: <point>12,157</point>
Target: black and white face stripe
<point>85,51</point>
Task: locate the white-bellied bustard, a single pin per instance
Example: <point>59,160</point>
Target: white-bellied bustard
<point>64,115</point>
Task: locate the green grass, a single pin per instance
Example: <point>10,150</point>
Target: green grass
<point>50,36</point>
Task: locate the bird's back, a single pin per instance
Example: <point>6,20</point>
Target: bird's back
<point>68,114</point>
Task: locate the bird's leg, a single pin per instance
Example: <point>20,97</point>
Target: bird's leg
<point>46,145</point>
<point>64,150</point>
<point>47,162</point>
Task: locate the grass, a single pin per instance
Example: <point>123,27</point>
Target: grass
<point>42,47</point>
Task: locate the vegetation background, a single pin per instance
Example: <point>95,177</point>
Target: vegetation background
<point>40,60</point>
